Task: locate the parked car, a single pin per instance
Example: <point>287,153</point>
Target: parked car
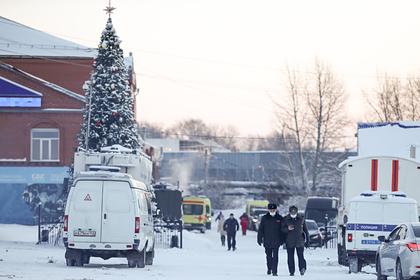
<point>399,253</point>
<point>315,236</point>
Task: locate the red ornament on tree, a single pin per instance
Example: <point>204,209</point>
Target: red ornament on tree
<point>98,123</point>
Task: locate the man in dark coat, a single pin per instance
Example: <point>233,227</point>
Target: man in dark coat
<point>231,226</point>
<point>297,238</point>
<point>271,235</point>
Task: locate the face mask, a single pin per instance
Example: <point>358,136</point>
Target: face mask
<point>293,215</point>
<point>272,213</point>
<point>231,217</point>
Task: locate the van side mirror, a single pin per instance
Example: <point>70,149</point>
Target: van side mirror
<point>212,213</point>
<point>382,239</point>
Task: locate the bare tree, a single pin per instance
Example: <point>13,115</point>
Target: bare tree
<point>226,136</point>
<point>292,117</point>
<point>326,102</point>
<point>190,129</point>
<point>151,130</point>
<point>413,98</point>
<point>389,103</point>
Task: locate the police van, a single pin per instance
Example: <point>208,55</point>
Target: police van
<point>370,215</point>
<point>108,214</point>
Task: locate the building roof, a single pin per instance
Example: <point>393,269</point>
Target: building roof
<point>20,40</point>
<point>38,80</point>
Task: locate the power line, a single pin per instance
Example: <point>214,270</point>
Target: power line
<point>204,136</point>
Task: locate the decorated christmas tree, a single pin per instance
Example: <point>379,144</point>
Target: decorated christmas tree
<point>108,117</point>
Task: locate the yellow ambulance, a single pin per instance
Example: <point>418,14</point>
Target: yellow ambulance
<point>253,209</point>
<point>196,213</point>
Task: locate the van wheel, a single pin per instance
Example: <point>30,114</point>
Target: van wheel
<point>133,258</point>
<point>355,265</point>
<point>203,229</point>
<point>398,271</point>
<point>208,225</point>
<point>86,259</point>
<point>78,261</point>
<point>73,257</point>
<point>141,261</point>
<point>131,262</point>
<point>149,256</point>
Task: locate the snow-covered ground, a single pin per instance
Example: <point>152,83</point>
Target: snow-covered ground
<point>201,258</point>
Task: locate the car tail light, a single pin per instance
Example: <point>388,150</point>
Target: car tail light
<point>350,237</point>
<point>413,246</point>
<point>137,225</point>
<point>66,222</point>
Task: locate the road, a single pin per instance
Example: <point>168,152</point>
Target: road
<point>202,257</point>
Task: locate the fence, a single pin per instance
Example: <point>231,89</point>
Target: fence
<point>50,233</point>
<point>330,239</point>
<point>168,234</point>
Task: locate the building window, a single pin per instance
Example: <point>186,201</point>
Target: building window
<point>44,144</point>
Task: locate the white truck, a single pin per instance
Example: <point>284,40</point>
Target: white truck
<point>132,162</point>
<point>109,209</point>
<point>377,174</point>
<point>372,214</point>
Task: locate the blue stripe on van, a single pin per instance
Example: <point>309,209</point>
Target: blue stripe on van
<point>371,227</point>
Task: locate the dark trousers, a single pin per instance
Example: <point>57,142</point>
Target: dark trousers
<point>291,259</point>
<point>272,256</point>
<point>223,238</point>
<point>231,240</point>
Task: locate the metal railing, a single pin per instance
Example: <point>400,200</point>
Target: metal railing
<point>330,237</point>
<point>51,233</point>
<point>168,234</point>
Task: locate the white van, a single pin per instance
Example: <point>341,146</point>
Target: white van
<point>370,215</point>
<point>108,215</point>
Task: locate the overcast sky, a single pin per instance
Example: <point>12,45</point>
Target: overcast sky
<point>223,60</point>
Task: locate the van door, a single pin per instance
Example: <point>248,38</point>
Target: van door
<point>84,222</point>
<point>118,216</point>
<point>149,220</point>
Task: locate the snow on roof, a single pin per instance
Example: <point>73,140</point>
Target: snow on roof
<point>355,158</point>
<point>394,197</point>
<point>389,139</point>
<point>20,40</point>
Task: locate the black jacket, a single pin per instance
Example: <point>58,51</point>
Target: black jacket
<point>269,231</point>
<point>297,236</point>
<point>231,226</point>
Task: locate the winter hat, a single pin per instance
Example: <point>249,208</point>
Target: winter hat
<point>231,214</point>
<point>293,209</point>
<point>272,206</point>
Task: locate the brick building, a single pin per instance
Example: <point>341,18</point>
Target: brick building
<point>41,101</point>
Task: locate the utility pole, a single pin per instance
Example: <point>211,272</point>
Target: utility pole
<point>88,122</point>
<point>205,166</point>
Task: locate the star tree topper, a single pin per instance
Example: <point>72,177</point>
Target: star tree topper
<point>109,9</point>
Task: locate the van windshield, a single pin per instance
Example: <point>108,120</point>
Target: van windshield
<point>320,215</point>
<point>311,225</point>
<point>192,209</point>
<point>258,211</point>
